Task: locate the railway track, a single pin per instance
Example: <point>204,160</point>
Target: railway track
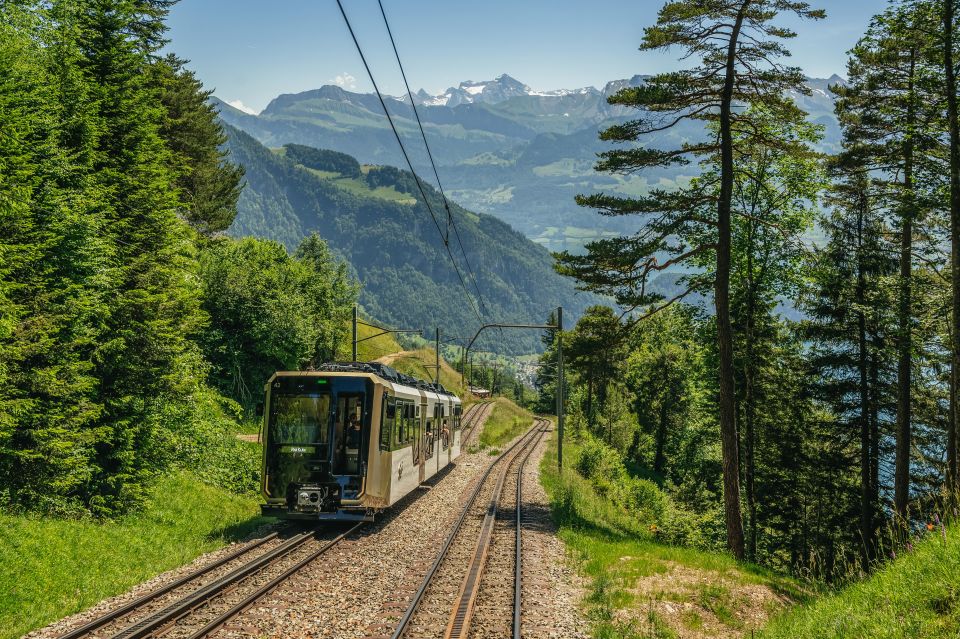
<point>193,607</point>
<point>477,415</point>
<point>446,603</point>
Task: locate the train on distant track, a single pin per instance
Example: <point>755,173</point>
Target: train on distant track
<point>348,440</point>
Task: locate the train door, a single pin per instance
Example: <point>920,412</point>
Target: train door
<point>417,440</point>
<point>351,435</point>
<point>448,430</point>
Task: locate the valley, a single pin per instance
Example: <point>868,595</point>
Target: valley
<point>502,148</point>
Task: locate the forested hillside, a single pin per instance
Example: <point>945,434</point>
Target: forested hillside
<point>374,218</point>
<point>133,334</point>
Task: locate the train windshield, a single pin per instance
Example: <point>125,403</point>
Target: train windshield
<point>298,440</point>
<point>299,419</point>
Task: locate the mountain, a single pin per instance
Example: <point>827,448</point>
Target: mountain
<point>502,147</point>
<point>373,217</point>
<point>493,91</point>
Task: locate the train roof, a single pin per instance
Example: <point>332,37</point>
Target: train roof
<point>386,372</point>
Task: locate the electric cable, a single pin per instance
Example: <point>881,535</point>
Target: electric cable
<point>433,164</point>
<point>406,157</point>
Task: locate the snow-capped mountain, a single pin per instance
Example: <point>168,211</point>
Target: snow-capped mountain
<point>500,89</point>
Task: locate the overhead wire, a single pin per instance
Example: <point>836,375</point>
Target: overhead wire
<point>416,112</point>
<point>406,157</point>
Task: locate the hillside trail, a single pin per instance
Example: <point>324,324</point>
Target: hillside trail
<point>390,358</point>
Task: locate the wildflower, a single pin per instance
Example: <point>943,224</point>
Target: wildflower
<point>893,554</point>
<point>653,528</point>
<point>929,526</point>
<point>936,519</point>
<point>909,547</point>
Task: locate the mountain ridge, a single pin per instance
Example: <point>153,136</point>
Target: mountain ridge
<point>501,147</point>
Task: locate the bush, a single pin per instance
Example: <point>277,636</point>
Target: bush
<point>205,443</point>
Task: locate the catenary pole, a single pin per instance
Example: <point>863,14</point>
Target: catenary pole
<point>559,392</point>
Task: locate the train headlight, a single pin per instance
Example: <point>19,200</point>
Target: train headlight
<point>311,496</point>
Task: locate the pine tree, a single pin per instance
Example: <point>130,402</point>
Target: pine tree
<point>737,47</point>
<point>851,330</point>
<point>885,109</point>
<point>208,184</point>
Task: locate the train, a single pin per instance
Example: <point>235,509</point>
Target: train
<point>345,441</point>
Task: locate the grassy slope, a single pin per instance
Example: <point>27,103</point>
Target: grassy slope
<point>505,422</point>
<point>410,362</point>
<point>638,587</point>
<point>361,188</point>
<point>918,595</point>
<point>416,363</point>
<point>51,568</point>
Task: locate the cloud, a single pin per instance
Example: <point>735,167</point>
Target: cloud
<point>346,81</point>
<point>238,104</point>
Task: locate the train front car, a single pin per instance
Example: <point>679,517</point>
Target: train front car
<point>316,440</point>
<point>347,440</point>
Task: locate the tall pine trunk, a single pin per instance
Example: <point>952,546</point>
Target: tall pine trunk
<point>749,410</point>
<point>866,492</point>
<point>951,91</point>
<point>728,424</point>
<point>901,489</point>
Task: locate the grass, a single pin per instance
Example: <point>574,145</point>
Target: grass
<point>370,349</point>
<point>505,422</point>
<point>361,188</point>
<point>630,574</point>
<point>420,363</point>
<point>917,595</point>
<point>51,568</point>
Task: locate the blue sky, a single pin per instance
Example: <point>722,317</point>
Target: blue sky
<point>252,51</point>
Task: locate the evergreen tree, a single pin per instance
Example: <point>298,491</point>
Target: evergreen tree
<point>595,354</point>
<point>208,184</point>
<point>664,371</point>
<point>737,48</point>
<point>49,271</point>
<point>546,380</point>
<point>851,331</point>
<point>887,110</point>
<point>144,356</point>
<point>948,12</point>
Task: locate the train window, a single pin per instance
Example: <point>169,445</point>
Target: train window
<point>386,424</point>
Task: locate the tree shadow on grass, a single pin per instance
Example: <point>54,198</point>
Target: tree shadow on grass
<point>241,530</point>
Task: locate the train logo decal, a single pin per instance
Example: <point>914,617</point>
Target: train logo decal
<point>400,471</point>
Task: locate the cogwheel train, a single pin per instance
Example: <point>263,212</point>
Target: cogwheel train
<point>348,440</point>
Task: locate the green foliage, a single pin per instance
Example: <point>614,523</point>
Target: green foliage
<point>208,183</point>
<point>270,311</point>
<point>51,568</point>
<point>111,174</point>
